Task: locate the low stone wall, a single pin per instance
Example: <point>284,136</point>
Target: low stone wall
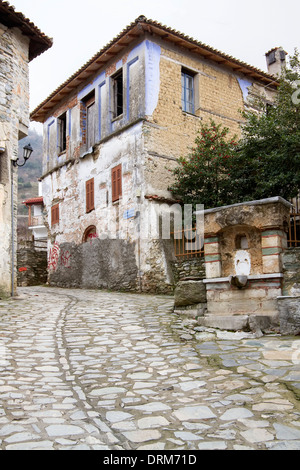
<point>289,303</point>
<point>289,315</point>
<point>186,269</point>
<point>32,266</point>
<point>106,264</point>
<point>291,272</point>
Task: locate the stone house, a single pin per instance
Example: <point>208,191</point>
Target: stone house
<point>20,42</point>
<point>112,133</point>
<point>36,225</point>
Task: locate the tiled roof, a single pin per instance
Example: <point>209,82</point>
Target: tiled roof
<point>131,33</point>
<point>34,200</point>
<point>39,42</point>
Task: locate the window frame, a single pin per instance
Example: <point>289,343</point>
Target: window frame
<point>117,94</point>
<point>90,103</point>
<point>116,183</point>
<point>55,212</point>
<point>187,105</point>
<point>90,234</point>
<point>89,136</point>
<point>90,195</point>
<point>62,133</point>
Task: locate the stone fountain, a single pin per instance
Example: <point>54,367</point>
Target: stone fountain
<point>243,247</point>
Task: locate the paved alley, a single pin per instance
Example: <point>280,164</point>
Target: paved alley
<point>97,370</point>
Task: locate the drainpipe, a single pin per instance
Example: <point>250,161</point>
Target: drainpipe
<point>12,233</point>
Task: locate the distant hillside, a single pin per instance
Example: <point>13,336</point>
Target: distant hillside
<point>32,171</point>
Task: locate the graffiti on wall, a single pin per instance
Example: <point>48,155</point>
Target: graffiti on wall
<point>56,255</point>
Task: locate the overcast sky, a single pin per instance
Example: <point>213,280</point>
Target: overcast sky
<point>80,28</point>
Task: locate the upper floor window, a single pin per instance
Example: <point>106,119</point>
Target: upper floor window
<point>62,133</point>
<point>88,120</point>
<point>117,88</point>
<point>187,91</point>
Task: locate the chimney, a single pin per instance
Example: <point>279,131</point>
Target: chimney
<point>276,61</point>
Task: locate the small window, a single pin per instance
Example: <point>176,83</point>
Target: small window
<point>90,198</point>
<point>90,234</point>
<point>55,214</point>
<point>241,242</point>
<point>117,85</point>
<point>62,133</point>
<point>187,91</point>
<point>116,177</point>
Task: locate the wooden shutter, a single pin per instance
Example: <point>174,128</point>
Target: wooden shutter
<point>90,118</point>
<point>90,198</point>
<point>116,183</point>
<point>55,214</point>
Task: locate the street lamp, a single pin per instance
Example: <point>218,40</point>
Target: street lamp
<point>27,151</point>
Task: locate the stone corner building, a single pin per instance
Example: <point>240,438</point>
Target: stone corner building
<point>112,133</point>
<point>20,42</point>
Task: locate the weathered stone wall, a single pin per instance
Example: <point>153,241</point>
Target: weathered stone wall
<point>31,266</point>
<point>14,121</point>
<point>291,271</point>
<point>106,264</point>
<point>289,315</point>
<point>289,303</point>
<point>193,268</point>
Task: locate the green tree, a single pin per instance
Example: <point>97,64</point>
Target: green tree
<point>270,148</point>
<point>204,176</point>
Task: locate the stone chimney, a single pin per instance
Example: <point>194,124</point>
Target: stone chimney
<point>276,61</point>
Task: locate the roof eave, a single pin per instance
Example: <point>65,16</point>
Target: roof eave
<point>39,42</point>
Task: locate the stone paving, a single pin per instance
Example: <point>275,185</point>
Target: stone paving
<point>110,371</point>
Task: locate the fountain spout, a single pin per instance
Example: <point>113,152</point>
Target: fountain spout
<point>239,281</point>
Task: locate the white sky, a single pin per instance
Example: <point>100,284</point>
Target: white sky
<point>80,28</point>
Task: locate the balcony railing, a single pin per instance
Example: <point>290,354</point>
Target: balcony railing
<point>36,220</point>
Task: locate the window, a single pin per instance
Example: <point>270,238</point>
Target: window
<point>116,177</point>
<point>54,214</point>
<point>90,234</point>
<point>89,187</point>
<point>117,85</point>
<point>187,91</point>
<point>62,133</point>
<point>241,242</point>
<point>88,120</point>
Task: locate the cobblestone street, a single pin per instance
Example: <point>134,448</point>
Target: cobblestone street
<point>84,369</point>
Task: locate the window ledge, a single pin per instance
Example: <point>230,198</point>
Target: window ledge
<point>117,118</point>
<point>186,113</point>
<point>115,203</point>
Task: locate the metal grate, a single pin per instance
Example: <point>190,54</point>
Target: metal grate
<point>187,243</point>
